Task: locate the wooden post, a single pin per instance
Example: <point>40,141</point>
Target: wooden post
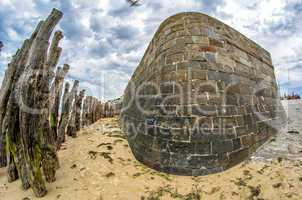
<point>56,93</point>
<point>78,103</point>
<point>14,149</point>
<point>6,87</point>
<point>34,98</point>
<point>64,116</point>
<point>10,131</point>
<point>71,129</point>
<point>84,112</point>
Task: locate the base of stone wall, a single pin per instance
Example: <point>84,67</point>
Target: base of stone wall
<point>161,161</point>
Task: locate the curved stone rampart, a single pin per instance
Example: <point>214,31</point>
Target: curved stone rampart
<point>202,99</point>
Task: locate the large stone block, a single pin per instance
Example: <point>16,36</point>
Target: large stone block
<point>214,96</point>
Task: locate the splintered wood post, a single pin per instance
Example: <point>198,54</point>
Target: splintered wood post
<point>64,116</point>
<point>34,91</point>
<point>5,91</point>
<point>98,110</point>
<point>108,109</point>
<point>95,110</point>
<point>89,110</point>
<point>50,161</point>
<point>7,86</point>
<point>16,165</point>
<point>95,103</point>
<point>53,55</point>
<point>56,93</point>
<point>78,103</point>
<point>92,110</point>
<point>84,113</point>
<point>71,128</point>
<point>15,153</point>
<point>102,112</point>
<point>52,60</point>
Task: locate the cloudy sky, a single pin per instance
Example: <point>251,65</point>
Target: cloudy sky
<point>105,39</point>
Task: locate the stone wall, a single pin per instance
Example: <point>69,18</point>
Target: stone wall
<point>202,99</point>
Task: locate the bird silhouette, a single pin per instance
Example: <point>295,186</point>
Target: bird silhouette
<point>1,45</point>
<point>133,2</point>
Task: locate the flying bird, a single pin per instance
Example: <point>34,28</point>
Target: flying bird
<point>133,2</point>
<point>1,45</point>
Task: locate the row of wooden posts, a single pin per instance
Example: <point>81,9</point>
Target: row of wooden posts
<point>34,119</point>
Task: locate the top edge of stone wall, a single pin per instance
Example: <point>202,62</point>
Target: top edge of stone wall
<point>183,14</point>
<point>212,22</point>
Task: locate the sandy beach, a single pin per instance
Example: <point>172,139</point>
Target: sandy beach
<point>99,165</point>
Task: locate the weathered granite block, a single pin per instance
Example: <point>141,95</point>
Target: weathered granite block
<point>203,148</point>
<point>212,93</point>
<point>222,146</point>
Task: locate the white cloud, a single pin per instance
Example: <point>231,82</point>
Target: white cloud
<point>105,39</point>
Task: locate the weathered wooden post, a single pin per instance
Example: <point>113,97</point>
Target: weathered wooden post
<point>12,73</point>
<point>56,93</point>
<point>98,110</point>
<point>64,116</point>
<point>6,87</point>
<point>16,165</point>
<point>71,129</point>
<point>50,161</point>
<point>84,113</point>
<point>92,110</point>
<point>78,104</point>
<point>53,55</point>
<point>34,98</point>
